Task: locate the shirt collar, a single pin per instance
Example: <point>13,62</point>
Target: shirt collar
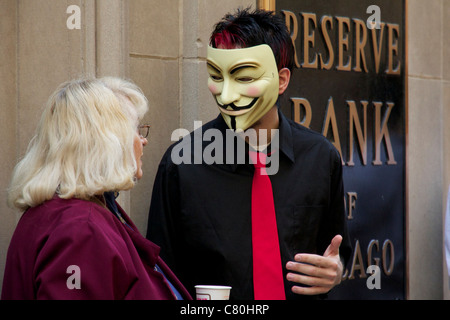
<point>286,141</point>
<point>285,132</point>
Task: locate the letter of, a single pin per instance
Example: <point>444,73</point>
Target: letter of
<point>352,197</point>
<point>326,36</point>
<point>370,251</point>
<point>393,47</point>
<point>331,118</point>
<point>381,131</point>
<point>308,39</point>
<point>377,46</point>
<point>73,21</point>
<point>388,270</point>
<point>298,102</point>
<point>362,137</point>
<point>360,45</point>
<point>357,256</point>
<point>343,42</point>
<point>292,30</point>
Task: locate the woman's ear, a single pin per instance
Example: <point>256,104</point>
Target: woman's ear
<point>285,76</point>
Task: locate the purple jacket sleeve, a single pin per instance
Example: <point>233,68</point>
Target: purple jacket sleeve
<point>103,268</point>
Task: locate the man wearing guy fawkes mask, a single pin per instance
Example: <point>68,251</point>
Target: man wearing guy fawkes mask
<point>201,214</point>
<point>245,83</point>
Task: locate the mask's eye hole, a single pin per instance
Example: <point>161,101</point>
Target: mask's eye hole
<point>245,79</point>
<point>216,78</point>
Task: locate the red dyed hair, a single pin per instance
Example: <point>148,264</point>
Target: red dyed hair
<point>247,29</point>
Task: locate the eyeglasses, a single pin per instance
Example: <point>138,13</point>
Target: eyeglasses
<point>143,130</point>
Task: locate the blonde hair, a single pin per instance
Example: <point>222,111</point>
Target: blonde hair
<point>83,144</point>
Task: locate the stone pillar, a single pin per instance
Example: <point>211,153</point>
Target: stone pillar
<point>425,152</point>
<point>8,123</point>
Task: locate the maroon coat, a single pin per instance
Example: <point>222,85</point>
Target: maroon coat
<point>115,262</point>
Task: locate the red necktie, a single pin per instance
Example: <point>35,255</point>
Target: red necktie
<point>268,281</point>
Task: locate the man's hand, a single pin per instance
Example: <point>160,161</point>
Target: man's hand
<point>320,273</point>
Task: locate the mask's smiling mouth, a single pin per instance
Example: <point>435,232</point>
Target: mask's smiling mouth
<point>233,110</point>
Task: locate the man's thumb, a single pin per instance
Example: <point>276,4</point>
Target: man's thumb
<point>333,248</point>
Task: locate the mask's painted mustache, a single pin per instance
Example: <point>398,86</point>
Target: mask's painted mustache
<point>236,108</point>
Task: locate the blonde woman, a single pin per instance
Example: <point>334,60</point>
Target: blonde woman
<point>73,240</point>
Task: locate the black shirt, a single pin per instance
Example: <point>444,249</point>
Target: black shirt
<point>200,214</point>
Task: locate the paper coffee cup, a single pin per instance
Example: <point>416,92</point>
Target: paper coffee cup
<point>212,292</point>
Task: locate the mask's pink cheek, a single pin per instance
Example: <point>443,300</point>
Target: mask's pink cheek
<point>253,92</point>
<point>213,88</point>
